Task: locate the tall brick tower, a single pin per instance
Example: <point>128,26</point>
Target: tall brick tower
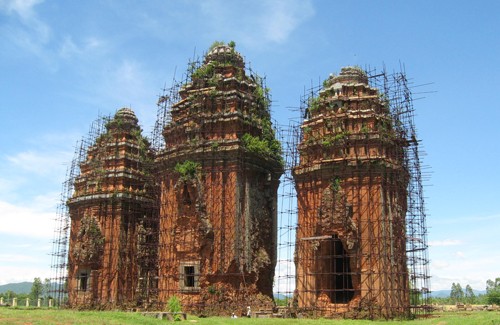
<point>111,200</point>
<point>352,189</point>
<point>219,176</point>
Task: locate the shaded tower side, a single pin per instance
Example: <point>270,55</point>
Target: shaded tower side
<point>108,210</point>
<point>351,187</point>
<point>219,177</point>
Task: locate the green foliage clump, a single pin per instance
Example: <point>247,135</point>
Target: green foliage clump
<point>205,71</point>
<point>331,140</point>
<point>260,94</point>
<point>174,306</point>
<point>212,290</point>
<point>266,145</point>
<point>210,73</point>
<point>89,246</point>
<point>326,83</point>
<point>283,302</point>
<point>187,169</point>
<point>118,123</point>
<point>470,296</point>
<point>456,294</point>
<point>36,289</point>
<point>144,144</point>
<point>255,144</point>
<point>104,137</point>
<point>493,291</point>
<point>314,104</point>
<point>384,100</point>
<point>215,145</point>
<point>335,185</point>
<point>215,44</point>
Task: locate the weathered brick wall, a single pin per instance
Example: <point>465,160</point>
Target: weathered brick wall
<point>351,188</point>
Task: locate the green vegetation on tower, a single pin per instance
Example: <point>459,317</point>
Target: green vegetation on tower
<point>187,169</point>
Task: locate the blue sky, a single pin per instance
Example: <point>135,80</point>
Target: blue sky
<point>62,63</point>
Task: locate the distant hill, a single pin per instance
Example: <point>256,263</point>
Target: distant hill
<point>22,287</point>
<point>440,293</point>
<point>446,293</point>
<point>280,296</point>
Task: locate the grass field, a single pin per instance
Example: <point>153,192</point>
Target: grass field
<point>43,316</point>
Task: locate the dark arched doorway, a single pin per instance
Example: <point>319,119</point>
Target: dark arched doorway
<point>334,276</point>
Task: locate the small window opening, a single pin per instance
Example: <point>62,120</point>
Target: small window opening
<point>189,276</point>
<point>83,280</point>
<point>186,198</point>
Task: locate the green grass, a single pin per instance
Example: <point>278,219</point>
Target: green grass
<point>44,316</point>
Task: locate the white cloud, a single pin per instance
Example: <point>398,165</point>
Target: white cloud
<point>23,8</point>
<point>129,73</point>
<point>26,243</point>
<point>284,277</point>
<point>61,142</point>
<point>16,258</point>
<point>464,267</point>
<point>16,273</point>
<point>282,17</point>
<point>9,185</point>
<point>38,163</point>
<point>469,258</point>
<point>439,264</point>
<point>474,219</point>
<point>69,49</point>
<point>130,84</point>
<point>446,242</point>
<point>253,23</point>
<point>444,282</point>
<point>26,221</point>
<point>33,33</point>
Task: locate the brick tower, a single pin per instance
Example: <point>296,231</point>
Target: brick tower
<point>219,176</point>
<point>352,189</point>
<point>111,200</point>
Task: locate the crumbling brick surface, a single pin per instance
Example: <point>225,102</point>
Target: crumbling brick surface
<point>198,220</point>
<point>221,218</point>
<point>108,206</point>
<point>351,188</point>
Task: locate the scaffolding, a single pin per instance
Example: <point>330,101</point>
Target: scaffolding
<point>353,236</point>
<point>225,209</point>
<point>219,170</point>
<point>60,243</point>
<point>397,88</point>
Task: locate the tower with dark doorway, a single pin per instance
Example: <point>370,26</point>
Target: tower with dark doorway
<point>351,184</point>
